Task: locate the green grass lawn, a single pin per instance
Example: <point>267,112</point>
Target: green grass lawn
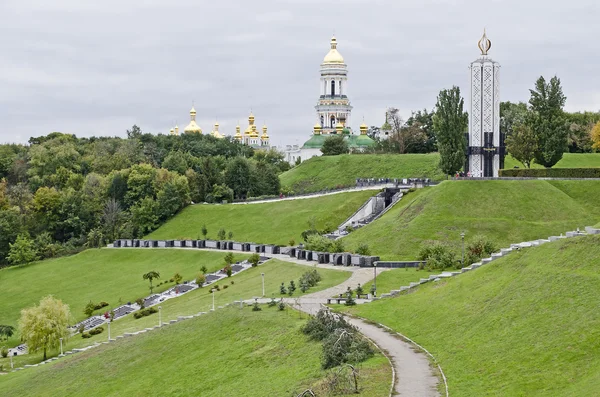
<point>272,223</point>
<point>396,278</point>
<point>569,160</point>
<point>328,172</point>
<point>98,275</point>
<point>503,211</point>
<point>525,325</point>
<point>231,352</point>
<point>246,285</point>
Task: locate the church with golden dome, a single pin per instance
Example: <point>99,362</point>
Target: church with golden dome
<point>333,110</point>
<point>250,137</point>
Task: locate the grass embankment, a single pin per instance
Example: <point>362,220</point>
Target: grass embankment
<point>396,278</point>
<point>231,352</point>
<point>569,160</point>
<point>329,172</point>
<point>247,284</point>
<point>524,325</point>
<point>272,223</point>
<point>106,275</point>
<point>504,211</point>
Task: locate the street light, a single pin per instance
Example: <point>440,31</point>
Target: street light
<point>61,347</point>
<point>462,237</point>
<point>213,294</point>
<point>109,331</point>
<point>263,283</point>
<point>375,279</point>
<point>160,316</point>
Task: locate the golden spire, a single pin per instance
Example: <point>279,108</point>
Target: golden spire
<point>192,127</point>
<point>172,131</point>
<point>333,56</point>
<point>238,135</point>
<point>317,129</point>
<point>264,136</point>
<point>484,44</point>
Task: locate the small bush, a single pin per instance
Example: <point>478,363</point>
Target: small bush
<point>89,309</point>
<point>81,328</point>
<point>4,351</point>
<point>96,331</point>
<point>282,289</point>
<point>203,269</point>
<point>292,242</point>
<point>272,303</point>
<point>140,302</point>
<point>254,259</point>
<point>281,305</point>
<point>200,280</point>
<point>363,249</point>
<point>359,290</point>
<point>479,248</point>
<point>227,270</point>
<point>221,234</point>
<point>177,278</point>
<point>232,282</point>
<point>171,280</point>
<point>225,286</point>
<point>349,229</point>
<point>550,173</point>
<point>85,335</point>
<point>256,307</point>
<point>145,312</point>
<point>229,258</point>
<point>438,256</point>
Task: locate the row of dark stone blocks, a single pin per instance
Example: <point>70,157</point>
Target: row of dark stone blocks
<point>213,244</point>
<point>340,259</point>
<point>380,181</point>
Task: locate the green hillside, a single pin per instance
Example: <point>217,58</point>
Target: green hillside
<point>329,172</point>
<point>503,211</point>
<point>274,223</point>
<point>524,325</point>
<point>231,352</point>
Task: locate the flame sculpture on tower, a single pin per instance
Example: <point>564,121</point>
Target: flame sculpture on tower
<point>485,148</point>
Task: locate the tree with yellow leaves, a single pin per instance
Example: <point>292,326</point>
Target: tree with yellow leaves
<point>595,133</point>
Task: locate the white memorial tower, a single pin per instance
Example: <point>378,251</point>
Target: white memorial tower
<point>485,151</point>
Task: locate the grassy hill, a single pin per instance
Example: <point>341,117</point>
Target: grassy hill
<point>329,172</point>
<point>274,223</point>
<point>116,274</point>
<point>503,211</point>
<point>525,325</point>
<point>231,352</point>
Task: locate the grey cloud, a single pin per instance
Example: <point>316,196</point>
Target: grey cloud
<point>95,68</point>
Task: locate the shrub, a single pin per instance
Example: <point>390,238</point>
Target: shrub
<point>311,278</point>
<point>282,289</point>
<point>292,287</point>
<point>349,229</point>
<point>81,328</point>
<point>100,305</point>
<point>86,335</point>
<point>225,286</point>
<point>363,249</point>
<point>96,331</point>
<point>359,290</point>
<point>221,234</point>
<point>255,307</point>
<point>230,235</point>
<point>203,269</point>
<point>200,280</point>
<point>281,305</point>
<point>303,286</point>
<point>4,351</point>
<point>254,259</point>
<point>177,278</point>
<point>232,282</point>
<point>89,309</point>
<point>144,312</point>
<point>292,242</point>
<point>438,256</point>
<point>229,258</point>
<point>140,302</point>
<point>272,303</point>
<point>171,280</point>
<point>479,248</point>
<point>550,173</point>
<point>227,270</point>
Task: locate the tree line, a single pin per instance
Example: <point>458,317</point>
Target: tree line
<point>60,193</point>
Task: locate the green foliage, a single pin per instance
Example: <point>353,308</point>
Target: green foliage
<point>291,288</point>
<point>237,176</point>
<point>363,249</point>
<point>221,234</point>
<point>256,307</point>
<point>200,280</point>
<point>227,270</point>
<point>34,329</point>
<point>144,312</point>
<point>547,121</point>
<point>450,123</point>
<point>479,248</point>
<point>6,331</point>
<point>204,231</point>
<point>89,309</point>
<point>151,275</point>
<point>281,305</point>
<point>22,251</point>
<point>203,269</point>
<point>359,290</point>
<point>310,278</point>
<point>177,278</point>
<point>438,256</point>
<point>272,303</point>
<point>229,258</point>
<point>316,242</point>
<point>96,331</point>
<point>550,173</point>
<point>595,136</point>
<point>512,115</point>
<point>522,144</point>
<point>282,289</point>
<point>334,145</point>
<point>254,259</point>
<point>4,351</point>
<point>292,242</point>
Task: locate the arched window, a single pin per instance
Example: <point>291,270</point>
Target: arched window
<point>332,87</point>
<point>322,121</point>
<point>332,123</point>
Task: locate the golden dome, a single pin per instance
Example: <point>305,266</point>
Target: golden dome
<point>264,135</point>
<point>172,131</point>
<point>317,129</point>
<point>254,133</point>
<point>363,128</point>
<point>192,111</point>
<point>338,128</point>
<point>333,56</point>
<point>251,119</point>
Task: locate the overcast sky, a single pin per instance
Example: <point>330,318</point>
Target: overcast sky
<point>98,67</point>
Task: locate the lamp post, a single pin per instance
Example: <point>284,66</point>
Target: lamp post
<point>160,316</point>
<point>109,331</point>
<point>375,279</point>
<point>462,237</point>
<point>213,294</point>
<point>61,346</point>
<point>263,283</point>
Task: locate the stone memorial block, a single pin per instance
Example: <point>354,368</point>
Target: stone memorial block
<point>117,244</point>
<point>211,244</point>
<point>237,246</point>
<point>308,255</point>
<point>357,260</point>
<point>161,243</point>
<point>292,252</point>
<point>176,243</point>
<point>200,244</point>
<point>591,230</point>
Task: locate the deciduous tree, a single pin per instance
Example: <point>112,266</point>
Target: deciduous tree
<point>450,123</point>
<point>522,144</point>
<point>334,145</point>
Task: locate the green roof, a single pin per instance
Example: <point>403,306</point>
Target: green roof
<point>315,142</point>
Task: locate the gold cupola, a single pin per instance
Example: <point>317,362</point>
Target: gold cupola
<point>339,128</point>
<point>317,129</point>
<point>172,131</point>
<point>363,129</point>
<point>192,127</point>
<point>253,132</point>
<point>238,135</point>
<point>264,135</point>
<point>333,56</point>
<point>215,132</point>
<point>484,44</point>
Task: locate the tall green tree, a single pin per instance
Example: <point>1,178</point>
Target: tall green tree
<point>237,176</point>
<point>22,251</point>
<point>522,144</point>
<point>42,326</point>
<point>547,121</point>
<point>450,123</point>
<point>151,275</point>
<point>511,115</point>
<point>334,145</point>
